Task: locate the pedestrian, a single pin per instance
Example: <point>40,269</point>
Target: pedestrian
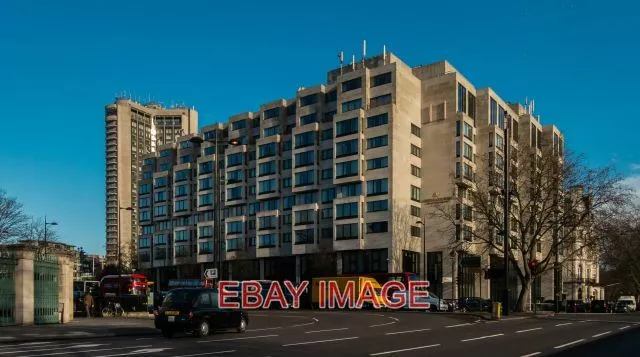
<point>88,303</point>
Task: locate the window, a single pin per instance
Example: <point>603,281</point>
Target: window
<point>182,175</point>
<point>267,222</point>
<point>493,111</point>
<point>182,205</point>
<point>304,178</point>
<point>147,175</point>
<point>328,116</point>
<point>381,79</point>
<point>377,206</point>
<point>326,174</point>
<point>146,188</point>
<point>416,151</point>
<point>471,110</point>
<point>326,154</point>
<point>205,183</point>
<point>206,248</point>
<point>346,127</point>
<point>416,231</point>
<point>286,182</point>
<point>267,186</point>
<point>206,200</point>
<point>377,141</point>
<point>377,187</point>
<point>327,212</point>
<point>501,117</point>
<point>306,198</point>
<point>271,113</point>
<point>234,176</point>
<point>415,130</point>
<point>182,190</point>
<point>309,99</point>
<point>267,150</point>
<point>457,149</point>
<point>286,237</point>
<point>160,211</point>
<point>305,158</point>
<point>305,217</point>
<point>235,244</point>
<point>349,190</point>
<point>304,236</point>
<point>252,190</point>
<point>347,210</point>
<point>308,119</point>
<point>144,202</point>
<point>346,148</point>
<point>235,227</point>
<point>234,193</point>
<point>184,159</point>
<point>377,163</point>
<point>144,242</point>
<point>160,239</point>
<point>462,98</point>
<point>468,172</point>
<point>165,166</point>
<point>347,231</point>
<point>160,196</point>
<point>468,151</point>
<point>468,131</point>
<point>271,131</point>
<point>184,144</point>
<point>305,139</point>
<point>328,195</point>
<point>288,202</point>
<point>352,84</point>
<point>267,168</point>
<point>415,193</point>
<point>147,229</point>
<point>499,142</point>
<point>267,240</point>
<point>165,152</point>
<point>235,159</point>
<point>351,105</point>
<point>415,171</point>
<point>326,134</point>
<point>237,125</point>
<point>347,168</point>
<point>205,231</point>
<point>467,233</point>
<point>160,182</point>
<point>499,160</point>
<point>377,227</point>
<point>182,236</point>
<point>377,120</point>
<point>286,145</point>
<point>415,211</point>
<point>380,100</point>
<point>331,96</point>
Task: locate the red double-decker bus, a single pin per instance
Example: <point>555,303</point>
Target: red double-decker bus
<point>125,284</point>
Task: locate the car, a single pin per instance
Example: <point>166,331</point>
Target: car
<point>575,306</point>
<point>630,301</point>
<point>196,311</point>
<point>622,306</point>
<point>599,306</point>
<point>475,304</point>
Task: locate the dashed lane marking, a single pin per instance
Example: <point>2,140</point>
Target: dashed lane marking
<point>238,338</point>
<point>208,353</point>
<point>458,325</point>
<point>529,330</point>
<point>265,329</point>
<point>85,351</point>
<point>403,350</point>
<point>624,327</point>
<point>328,330</point>
<point>531,354</point>
<point>407,331</point>
<point>482,337</point>
<point>564,324</point>
<point>320,341</point>
<point>384,324</point>
<point>601,334</point>
<point>570,343</point>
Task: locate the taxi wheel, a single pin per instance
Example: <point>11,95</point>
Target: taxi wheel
<point>167,333</point>
<point>242,325</point>
<point>203,329</point>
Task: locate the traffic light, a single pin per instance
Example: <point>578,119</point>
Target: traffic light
<point>533,266</point>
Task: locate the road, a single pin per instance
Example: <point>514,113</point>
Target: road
<point>371,333</point>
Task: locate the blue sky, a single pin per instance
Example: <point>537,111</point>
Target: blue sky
<point>61,62</point>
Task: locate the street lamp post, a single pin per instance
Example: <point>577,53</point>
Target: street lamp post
<point>119,264</point>
<point>45,232</point>
<point>216,196</point>
<point>424,249</point>
<point>507,207</point>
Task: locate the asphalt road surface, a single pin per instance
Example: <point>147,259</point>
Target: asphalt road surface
<point>371,333</point>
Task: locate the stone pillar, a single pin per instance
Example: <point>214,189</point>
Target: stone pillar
<point>65,288</point>
<point>24,287</point>
<point>261,265</point>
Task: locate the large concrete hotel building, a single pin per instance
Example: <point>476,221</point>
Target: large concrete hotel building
<point>133,130</point>
<point>333,181</point>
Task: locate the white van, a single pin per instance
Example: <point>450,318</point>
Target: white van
<point>630,300</point>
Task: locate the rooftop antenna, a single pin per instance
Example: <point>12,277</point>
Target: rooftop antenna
<point>353,62</point>
<point>364,51</point>
<point>384,54</point>
<point>341,58</point>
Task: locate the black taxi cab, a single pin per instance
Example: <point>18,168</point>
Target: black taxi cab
<point>196,311</point>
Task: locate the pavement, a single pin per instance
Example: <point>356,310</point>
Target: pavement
<point>353,333</point>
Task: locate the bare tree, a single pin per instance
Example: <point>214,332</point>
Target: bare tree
<point>403,240</point>
<point>12,218</point>
<point>34,230</point>
<point>551,211</point>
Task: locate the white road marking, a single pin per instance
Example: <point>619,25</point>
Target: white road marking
<point>601,334</point>
<point>320,341</point>
<point>7,338</point>
<point>564,324</point>
<point>407,331</point>
<point>328,330</point>
<point>583,321</point>
<point>403,350</point>
<point>482,337</point>
<point>207,353</point>
<point>624,327</point>
<point>315,319</point>
<point>139,352</point>
<point>531,354</point>
<point>459,325</point>
<point>49,348</point>
<point>307,324</point>
<point>144,338</point>
<point>528,330</point>
<point>385,324</point>
<point>85,351</point>
<point>570,343</point>
<point>265,329</point>
<point>395,318</point>
<point>239,338</point>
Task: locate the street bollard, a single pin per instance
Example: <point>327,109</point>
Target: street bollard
<point>496,310</point>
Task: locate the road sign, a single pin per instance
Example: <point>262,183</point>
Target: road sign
<point>211,273</point>
<point>447,279</point>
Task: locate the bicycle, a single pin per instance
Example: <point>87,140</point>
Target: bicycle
<point>113,309</point>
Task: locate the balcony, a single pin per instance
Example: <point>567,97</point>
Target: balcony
<point>586,281</point>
